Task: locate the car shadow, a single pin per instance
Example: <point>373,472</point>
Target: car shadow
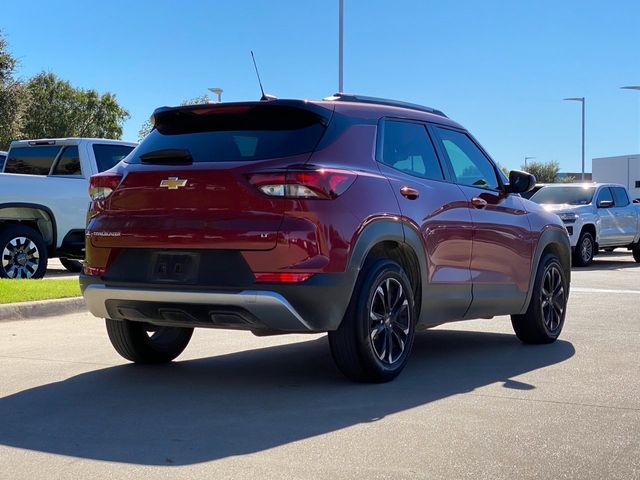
<point>206,409</point>
<point>617,260</point>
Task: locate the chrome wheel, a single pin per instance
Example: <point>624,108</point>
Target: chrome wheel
<point>20,258</point>
<point>389,321</point>
<point>586,249</point>
<point>553,298</point>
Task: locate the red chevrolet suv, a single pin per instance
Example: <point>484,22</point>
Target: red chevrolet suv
<point>365,218</point>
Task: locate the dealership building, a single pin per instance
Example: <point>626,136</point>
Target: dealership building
<point>624,170</point>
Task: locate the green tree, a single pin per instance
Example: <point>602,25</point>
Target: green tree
<point>146,127</point>
<point>545,172</point>
<point>54,108</point>
<point>11,97</point>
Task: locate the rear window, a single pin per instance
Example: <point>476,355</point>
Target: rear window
<point>36,160</point>
<point>108,156</point>
<point>620,196</point>
<point>69,162</point>
<point>244,133</point>
<point>2,159</point>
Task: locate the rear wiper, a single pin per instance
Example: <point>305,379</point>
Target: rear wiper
<point>170,156</point>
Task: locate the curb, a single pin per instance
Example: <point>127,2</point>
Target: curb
<point>40,309</point>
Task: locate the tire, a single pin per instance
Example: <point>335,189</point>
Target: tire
<point>360,346</point>
<point>636,252</point>
<point>23,253</point>
<point>585,250</point>
<point>544,319</point>
<point>144,343</point>
<point>73,266</point>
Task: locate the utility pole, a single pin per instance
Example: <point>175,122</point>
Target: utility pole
<point>525,161</point>
<point>340,45</point>
<point>581,100</point>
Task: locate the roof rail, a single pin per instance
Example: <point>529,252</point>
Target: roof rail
<point>347,97</point>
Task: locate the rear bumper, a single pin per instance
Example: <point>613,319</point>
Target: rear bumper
<point>271,309</point>
<point>317,305</point>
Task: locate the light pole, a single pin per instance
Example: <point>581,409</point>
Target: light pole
<point>340,45</point>
<point>581,100</point>
<point>631,87</point>
<point>525,161</point>
<point>218,92</point>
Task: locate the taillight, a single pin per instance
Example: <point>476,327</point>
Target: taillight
<point>282,277</point>
<point>323,183</point>
<point>101,185</point>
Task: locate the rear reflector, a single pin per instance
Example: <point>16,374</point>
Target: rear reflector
<point>94,271</point>
<point>101,185</point>
<point>282,277</point>
<point>323,183</point>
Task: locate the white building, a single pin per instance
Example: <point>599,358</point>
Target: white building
<point>624,170</point>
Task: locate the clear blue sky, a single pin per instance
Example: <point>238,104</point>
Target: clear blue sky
<point>500,68</point>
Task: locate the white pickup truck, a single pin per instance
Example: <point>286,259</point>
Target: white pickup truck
<point>44,198</point>
<point>598,216</point>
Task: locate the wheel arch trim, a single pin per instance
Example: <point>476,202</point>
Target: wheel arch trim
<point>550,236</point>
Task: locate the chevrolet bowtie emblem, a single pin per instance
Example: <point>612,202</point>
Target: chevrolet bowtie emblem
<point>173,183</point>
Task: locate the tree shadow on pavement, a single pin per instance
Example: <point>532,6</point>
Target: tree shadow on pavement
<point>201,410</point>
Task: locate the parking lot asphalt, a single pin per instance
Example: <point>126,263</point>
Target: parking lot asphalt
<point>472,403</point>
<point>55,270</point>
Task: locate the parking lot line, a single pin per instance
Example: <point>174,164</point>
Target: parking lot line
<point>602,290</point>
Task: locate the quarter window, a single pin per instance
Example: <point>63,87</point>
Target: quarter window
<point>620,196</point>
<point>407,147</point>
<point>470,166</point>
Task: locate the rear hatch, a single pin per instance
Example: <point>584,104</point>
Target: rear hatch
<point>186,185</point>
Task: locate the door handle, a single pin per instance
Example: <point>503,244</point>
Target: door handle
<point>410,193</point>
<point>478,203</point>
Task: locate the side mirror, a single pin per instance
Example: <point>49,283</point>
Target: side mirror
<point>605,204</point>
<point>520,182</point>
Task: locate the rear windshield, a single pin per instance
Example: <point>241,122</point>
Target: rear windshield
<point>564,195</point>
<point>108,156</point>
<point>36,160</point>
<point>245,133</point>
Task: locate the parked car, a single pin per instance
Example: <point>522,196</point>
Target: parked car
<point>365,218</point>
<point>597,216</point>
<point>533,191</point>
<point>44,199</point>
<point>3,157</point>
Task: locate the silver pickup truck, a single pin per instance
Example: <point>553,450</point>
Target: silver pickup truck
<point>44,194</point>
<point>598,216</point>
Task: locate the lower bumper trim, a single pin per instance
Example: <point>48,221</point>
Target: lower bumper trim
<point>269,308</point>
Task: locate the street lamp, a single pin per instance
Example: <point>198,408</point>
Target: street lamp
<point>631,87</point>
<point>525,161</point>
<point>581,100</point>
<point>340,45</point>
<point>218,92</point>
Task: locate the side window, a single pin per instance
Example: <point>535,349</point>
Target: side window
<point>407,147</point>
<point>2,159</point>
<point>605,194</point>
<point>620,196</point>
<point>470,166</point>
<point>36,160</point>
<point>108,156</point>
<point>69,162</point>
